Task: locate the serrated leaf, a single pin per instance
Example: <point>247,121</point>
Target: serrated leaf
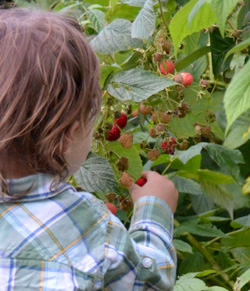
<point>201,203</point>
<point>217,192</point>
<point>182,246</point>
<point>222,9</point>
<point>189,284</point>
<point>123,11</point>
<point>115,37</point>
<point>237,97</point>
<point>137,85</point>
<point>179,27</point>
<point>214,177</point>
<point>96,175</point>
<point>137,3</point>
<point>227,159</point>
<point>206,230</point>
<point>97,19</point>
<point>184,185</point>
<point>134,160</point>
<point>144,25</point>
<point>216,288</point>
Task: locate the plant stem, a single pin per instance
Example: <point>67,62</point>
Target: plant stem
<point>162,16</point>
<point>231,25</point>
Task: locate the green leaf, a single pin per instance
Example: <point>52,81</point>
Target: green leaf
<point>219,48</point>
<point>184,185</point>
<point>97,19</point>
<point>217,192</point>
<point>162,159</point>
<point>123,11</point>
<point>201,203</point>
<point>195,150</point>
<point>214,177</point>
<point>244,278</point>
<point>239,132</point>
<point>241,46</point>
<point>206,230</point>
<point>96,175</point>
<point>115,37</point>
<point>105,71</point>
<point>237,97</point>
<point>240,239</point>
<point>137,85</point>
<point>227,159</point>
<point>134,160</point>
<point>185,283</point>
<point>194,11</point>
<point>182,246</point>
<point>242,221</point>
<point>137,3</point>
<point>179,27</point>
<point>246,186</point>
<point>222,9</point>
<point>144,25</point>
<point>182,64</point>
<point>216,288</point>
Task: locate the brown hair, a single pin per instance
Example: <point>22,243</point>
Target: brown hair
<point>48,79</point>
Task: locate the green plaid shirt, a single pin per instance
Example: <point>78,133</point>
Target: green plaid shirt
<point>61,239</point>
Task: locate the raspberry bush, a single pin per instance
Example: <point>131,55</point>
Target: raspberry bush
<point>176,99</point>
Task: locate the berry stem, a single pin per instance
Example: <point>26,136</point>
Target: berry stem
<point>168,166</point>
<point>162,16</point>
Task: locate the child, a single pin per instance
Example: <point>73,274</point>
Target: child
<point>51,236</point>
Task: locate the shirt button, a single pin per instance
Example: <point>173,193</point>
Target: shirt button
<point>147,262</point>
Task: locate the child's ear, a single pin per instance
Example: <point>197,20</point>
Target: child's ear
<point>70,135</point>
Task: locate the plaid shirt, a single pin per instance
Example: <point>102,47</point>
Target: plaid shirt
<point>61,239</point>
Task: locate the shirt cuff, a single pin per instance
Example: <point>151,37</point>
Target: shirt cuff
<point>152,210</point>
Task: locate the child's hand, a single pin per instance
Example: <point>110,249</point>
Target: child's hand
<point>158,186</point>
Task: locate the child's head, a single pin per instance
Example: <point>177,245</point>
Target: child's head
<point>48,83</point>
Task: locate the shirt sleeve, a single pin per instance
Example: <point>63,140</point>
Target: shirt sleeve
<point>142,258</point>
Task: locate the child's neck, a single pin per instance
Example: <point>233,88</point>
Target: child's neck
<point>14,170</point>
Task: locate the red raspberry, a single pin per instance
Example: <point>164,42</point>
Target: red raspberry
<point>141,181</point>
<point>113,134</point>
<point>167,147</point>
<point>172,141</point>
<point>170,67</point>
<point>187,79</point>
<point>122,120</point>
<point>112,208</point>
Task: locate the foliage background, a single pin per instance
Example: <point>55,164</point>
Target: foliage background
<point>210,39</point>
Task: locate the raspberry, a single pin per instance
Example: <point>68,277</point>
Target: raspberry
<point>153,154</point>
<point>206,131</point>
<point>153,132</point>
<point>160,127</point>
<point>126,180</point>
<point>123,164</point>
<point>113,134</point>
<point>204,84</point>
<point>178,79</point>
<point>126,140</point>
<point>158,57</point>
<point>141,181</point>
<point>145,109</point>
<point>183,145</point>
<point>112,208</point>
<point>121,121</point>
<point>168,146</point>
<point>183,109</point>
<point>187,79</point>
<point>111,197</point>
<point>162,117</point>
<point>172,141</point>
<point>134,113</point>
<point>169,66</point>
<point>125,204</point>
<point>166,46</point>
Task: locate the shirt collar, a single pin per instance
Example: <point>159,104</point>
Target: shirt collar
<point>39,186</point>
